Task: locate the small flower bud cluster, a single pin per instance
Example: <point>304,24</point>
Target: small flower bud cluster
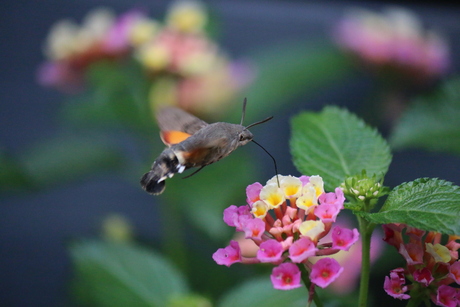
<point>431,266</point>
<point>363,189</point>
<point>287,219</point>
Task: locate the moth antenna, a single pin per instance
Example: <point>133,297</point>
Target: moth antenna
<point>274,161</point>
<point>259,122</point>
<point>244,111</point>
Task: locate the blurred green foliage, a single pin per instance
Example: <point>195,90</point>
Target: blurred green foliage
<point>431,121</point>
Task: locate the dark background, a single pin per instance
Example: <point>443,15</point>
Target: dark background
<point>34,265</point>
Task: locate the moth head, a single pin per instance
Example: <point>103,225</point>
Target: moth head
<point>244,137</point>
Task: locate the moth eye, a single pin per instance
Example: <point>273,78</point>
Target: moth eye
<point>241,137</point>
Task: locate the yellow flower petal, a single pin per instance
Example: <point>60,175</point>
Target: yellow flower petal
<point>272,195</point>
<point>308,199</point>
<point>439,252</point>
<point>259,209</point>
<point>292,186</point>
<point>187,16</point>
<point>311,229</point>
<point>317,182</point>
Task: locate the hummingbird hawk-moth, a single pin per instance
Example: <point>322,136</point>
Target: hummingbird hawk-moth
<point>192,143</point>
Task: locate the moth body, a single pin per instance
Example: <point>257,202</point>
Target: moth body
<point>208,145</point>
<point>191,143</point>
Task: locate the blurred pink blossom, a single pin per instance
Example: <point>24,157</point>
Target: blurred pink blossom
<point>70,48</point>
<point>394,38</point>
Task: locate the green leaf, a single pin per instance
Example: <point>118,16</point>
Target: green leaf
<point>426,203</point>
<point>110,274</point>
<point>260,293</point>
<point>290,69</point>
<point>334,144</point>
<point>431,122</point>
<point>69,157</point>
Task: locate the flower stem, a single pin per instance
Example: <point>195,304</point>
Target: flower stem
<point>417,297</point>
<point>307,282</point>
<point>365,229</point>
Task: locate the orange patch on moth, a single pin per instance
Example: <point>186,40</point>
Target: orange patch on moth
<point>173,137</point>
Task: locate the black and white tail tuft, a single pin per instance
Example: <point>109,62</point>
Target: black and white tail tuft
<point>165,166</point>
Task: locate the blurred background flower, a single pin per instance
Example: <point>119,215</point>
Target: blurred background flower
<point>71,48</point>
<point>187,67</point>
<point>394,41</point>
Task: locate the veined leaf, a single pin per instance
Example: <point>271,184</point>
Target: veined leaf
<point>426,203</point>
<point>334,144</point>
<point>110,274</point>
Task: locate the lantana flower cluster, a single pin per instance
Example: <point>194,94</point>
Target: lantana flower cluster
<point>71,48</point>
<point>287,218</point>
<point>394,39</point>
<point>185,66</point>
<point>432,268</point>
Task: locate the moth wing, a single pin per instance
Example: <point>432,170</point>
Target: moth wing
<point>175,119</point>
<point>171,137</point>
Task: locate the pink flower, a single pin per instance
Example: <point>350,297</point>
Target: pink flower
<point>286,276</point>
<point>334,198</point>
<point>254,229</point>
<point>423,276</point>
<point>237,216</point>
<point>446,296</point>
<point>454,271</point>
<point>412,252</point>
<point>395,284</point>
<point>415,234</point>
<point>351,261</point>
<point>394,39</point>
<point>61,75</point>
<point>252,192</point>
<point>270,251</point>
<point>393,234</point>
<point>302,249</point>
<point>325,271</point>
<point>327,212</point>
<point>282,231</point>
<point>228,255</point>
<point>304,179</point>
<point>117,39</point>
<point>343,238</point>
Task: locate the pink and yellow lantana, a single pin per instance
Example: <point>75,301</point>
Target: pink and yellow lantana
<point>432,267</point>
<point>288,219</point>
